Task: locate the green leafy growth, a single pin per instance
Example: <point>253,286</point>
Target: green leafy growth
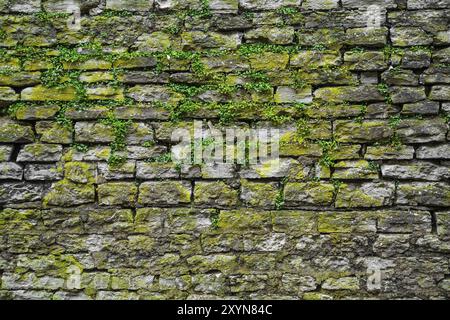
<point>148,144</point>
<point>248,15</point>
<point>287,11</point>
<point>108,13</point>
<point>259,81</point>
<point>120,129</point>
<point>182,109</point>
<point>188,90</point>
<point>394,121</point>
<point>303,130</point>
<point>13,108</point>
<point>62,119</point>
<point>275,115</point>
<point>279,199</point>
<point>80,147</point>
<point>258,48</point>
<point>229,111</point>
<point>202,12</point>
<point>446,117</point>
<point>337,184</point>
<point>395,141</point>
<point>362,114</point>
<point>49,17</point>
<point>116,161</point>
<point>423,49</point>
<point>390,50</point>
<point>214,221</point>
<point>358,50</point>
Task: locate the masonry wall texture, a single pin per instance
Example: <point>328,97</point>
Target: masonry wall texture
<point>92,206</point>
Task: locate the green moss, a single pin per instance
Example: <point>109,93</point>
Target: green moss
<point>80,172</point>
<point>120,130</point>
<point>384,90</point>
<point>41,93</point>
<point>328,150</point>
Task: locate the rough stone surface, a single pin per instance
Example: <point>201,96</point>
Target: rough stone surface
<point>94,205</point>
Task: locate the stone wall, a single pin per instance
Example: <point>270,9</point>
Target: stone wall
<point>93,207</point>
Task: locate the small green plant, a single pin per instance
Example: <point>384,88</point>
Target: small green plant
<point>148,144</point>
<point>303,130</point>
<point>183,108</point>
<point>120,130</point>
<point>287,11</point>
<point>202,12</point>
<point>62,119</point>
<point>248,15</point>
<point>162,158</point>
<point>248,49</point>
<point>337,184</point>
<point>446,117</point>
<point>108,13</point>
<point>274,114</point>
<point>279,199</point>
<point>178,168</point>
<point>362,114</point>
<point>214,221</point>
<point>116,161</point>
<point>424,49</point>
<point>229,111</point>
<point>225,88</point>
<point>319,47</point>
<point>12,109</point>
<point>187,90</point>
<point>49,17</point>
<point>328,146</point>
<point>373,166</point>
<point>394,121</point>
<point>80,147</point>
<point>173,29</point>
<point>197,66</point>
<point>358,50</point>
<point>395,141</point>
<point>258,87</point>
<point>300,108</point>
<point>390,50</point>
